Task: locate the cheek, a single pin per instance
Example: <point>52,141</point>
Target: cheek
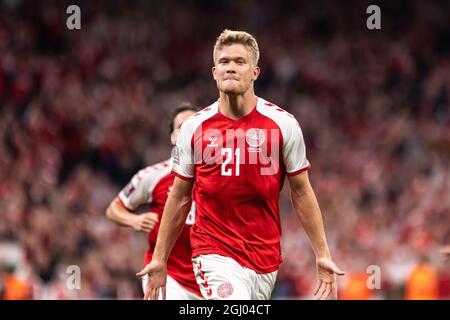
<point>249,75</point>
<point>218,74</point>
<point>220,69</point>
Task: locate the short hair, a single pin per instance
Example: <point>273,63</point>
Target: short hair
<point>185,106</point>
<point>229,37</point>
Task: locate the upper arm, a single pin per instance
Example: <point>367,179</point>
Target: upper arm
<point>183,156</point>
<point>294,150</point>
<point>182,189</point>
<point>299,183</point>
<point>137,191</point>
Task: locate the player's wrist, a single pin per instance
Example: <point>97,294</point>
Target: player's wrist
<point>325,254</point>
<point>134,221</point>
<point>159,260</point>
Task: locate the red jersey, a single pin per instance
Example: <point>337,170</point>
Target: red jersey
<point>151,186</point>
<point>239,168</point>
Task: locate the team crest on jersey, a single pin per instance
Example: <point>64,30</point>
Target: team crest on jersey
<point>225,290</point>
<point>255,138</point>
<point>212,141</point>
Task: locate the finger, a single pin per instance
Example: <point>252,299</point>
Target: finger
<point>147,230</point>
<point>147,293</point>
<point>155,294</point>
<point>152,216</point>
<point>163,288</point>
<point>148,225</point>
<point>334,290</point>
<point>321,290</point>
<point>147,220</point>
<point>326,292</point>
<point>151,225</point>
<point>151,294</point>
<point>316,288</point>
<point>144,271</point>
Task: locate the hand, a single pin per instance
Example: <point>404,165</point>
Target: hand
<point>326,278</point>
<point>145,222</point>
<point>445,250</point>
<point>157,278</point>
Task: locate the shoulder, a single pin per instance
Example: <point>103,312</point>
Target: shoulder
<point>152,172</point>
<point>281,117</point>
<point>195,120</point>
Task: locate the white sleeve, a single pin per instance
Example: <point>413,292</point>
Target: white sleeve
<point>294,150</point>
<point>183,155</point>
<point>137,191</point>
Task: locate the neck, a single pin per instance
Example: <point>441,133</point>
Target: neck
<point>237,106</point>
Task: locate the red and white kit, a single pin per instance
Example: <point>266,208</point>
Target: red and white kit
<point>239,167</point>
<point>151,186</point>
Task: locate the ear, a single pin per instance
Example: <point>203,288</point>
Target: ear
<point>173,139</point>
<point>256,73</point>
<point>213,70</point>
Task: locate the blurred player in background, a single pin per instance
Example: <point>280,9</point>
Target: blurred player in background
<point>12,286</point>
<point>238,152</point>
<point>151,186</point>
<point>422,282</point>
<point>445,250</point>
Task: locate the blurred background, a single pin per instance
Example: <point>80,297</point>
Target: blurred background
<point>82,110</point>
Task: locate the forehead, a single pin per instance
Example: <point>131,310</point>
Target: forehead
<point>182,116</point>
<point>233,51</point>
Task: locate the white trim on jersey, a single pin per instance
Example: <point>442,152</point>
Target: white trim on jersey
<point>294,150</point>
<point>184,159</point>
<point>140,189</point>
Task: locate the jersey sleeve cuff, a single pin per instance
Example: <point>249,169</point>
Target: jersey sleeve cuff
<point>188,179</point>
<point>123,203</point>
<point>291,174</point>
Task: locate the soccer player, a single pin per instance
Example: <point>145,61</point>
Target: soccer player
<point>238,152</point>
<point>445,250</point>
<point>151,186</point>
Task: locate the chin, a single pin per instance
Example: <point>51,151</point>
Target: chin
<point>231,90</point>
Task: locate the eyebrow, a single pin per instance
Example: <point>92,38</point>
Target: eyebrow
<point>232,58</point>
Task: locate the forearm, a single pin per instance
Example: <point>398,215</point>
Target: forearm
<point>308,211</point>
<point>119,214</point>
<point>174,217</point>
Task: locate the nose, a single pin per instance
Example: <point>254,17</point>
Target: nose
<point>230,68</point>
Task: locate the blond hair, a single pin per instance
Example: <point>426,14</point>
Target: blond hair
<point>229,37</point>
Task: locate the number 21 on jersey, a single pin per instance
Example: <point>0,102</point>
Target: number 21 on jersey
<point>228,153</point>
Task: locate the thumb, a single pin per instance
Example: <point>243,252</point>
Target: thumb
<point>336,270</point>
<point>144,271</point>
